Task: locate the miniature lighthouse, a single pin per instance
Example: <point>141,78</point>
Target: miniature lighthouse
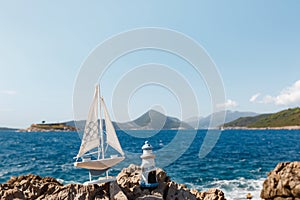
<point>148,176</point>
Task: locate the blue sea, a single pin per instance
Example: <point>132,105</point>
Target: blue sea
<point>237,164</point>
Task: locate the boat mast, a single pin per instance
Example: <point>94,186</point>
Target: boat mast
<point>101,126</point>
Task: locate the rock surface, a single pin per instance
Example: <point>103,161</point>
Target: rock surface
<point>126,187</point>
<point>36,187</point>
<point>283,183</point>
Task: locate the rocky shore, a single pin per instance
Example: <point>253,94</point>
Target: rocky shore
<point>126,187</point>
<point>282,183</point>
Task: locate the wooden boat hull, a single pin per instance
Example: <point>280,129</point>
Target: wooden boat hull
<point>102,164</point>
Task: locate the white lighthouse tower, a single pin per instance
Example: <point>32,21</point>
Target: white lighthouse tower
<point>148,176</point>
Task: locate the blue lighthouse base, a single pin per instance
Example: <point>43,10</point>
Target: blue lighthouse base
<point>148,185</point>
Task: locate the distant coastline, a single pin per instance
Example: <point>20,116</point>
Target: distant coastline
<point>288,119</point>
<point>264,128</point>
<point>8,129</point>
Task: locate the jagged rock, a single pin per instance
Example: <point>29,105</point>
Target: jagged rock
<point>176,191</point>
<point>128,180</point>
<point>283,182</point>
<point>115,192</point>
<point>13,194</point>
<point>126,187</point>
<point>137,191</point>
<point>160,190</point>
<point>213,194</point>
<point>36,187</point>
<point>162,176</point>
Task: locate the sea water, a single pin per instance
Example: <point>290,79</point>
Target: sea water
<point>238,163</point>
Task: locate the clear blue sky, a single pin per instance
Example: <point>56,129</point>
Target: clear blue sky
<point>255,45</point>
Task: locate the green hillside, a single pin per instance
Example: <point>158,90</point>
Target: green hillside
<point>289,117</point>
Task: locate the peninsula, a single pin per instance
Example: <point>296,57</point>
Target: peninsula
<point>285,119</point>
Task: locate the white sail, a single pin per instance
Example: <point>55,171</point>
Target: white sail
<point>90,138</point>
<point>111,135</point>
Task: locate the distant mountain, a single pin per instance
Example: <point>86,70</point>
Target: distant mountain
<point>193,121</point>
<point>229,116</point>
<point>151,120</point>
<point>154,120</point>
<point>80,124</point>
<point>289,117</point>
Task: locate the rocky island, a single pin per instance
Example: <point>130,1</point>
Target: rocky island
<point>53,127</point>
<point>126,187</point>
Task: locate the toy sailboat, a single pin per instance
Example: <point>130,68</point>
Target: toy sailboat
<point>95,136</point>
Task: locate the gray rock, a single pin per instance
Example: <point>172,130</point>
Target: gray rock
<point>160,190</point>
<point>115,192</point>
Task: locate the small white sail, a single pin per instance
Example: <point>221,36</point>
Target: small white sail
<point>90,138</point>
<point>111,135</point>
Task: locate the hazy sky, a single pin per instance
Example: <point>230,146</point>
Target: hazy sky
<point>254,44</point>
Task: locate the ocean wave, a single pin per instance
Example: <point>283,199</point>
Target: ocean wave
<point>236,189</point>
<point>64,182</point>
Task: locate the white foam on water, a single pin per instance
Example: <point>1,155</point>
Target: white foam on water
<point>255,170</point>
<point>67,182</point>
<point>3,172</point>
<point>236,189</point>
<point>67,167</point>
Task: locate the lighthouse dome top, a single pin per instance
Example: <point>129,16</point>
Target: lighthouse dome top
<point>147,146</point>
